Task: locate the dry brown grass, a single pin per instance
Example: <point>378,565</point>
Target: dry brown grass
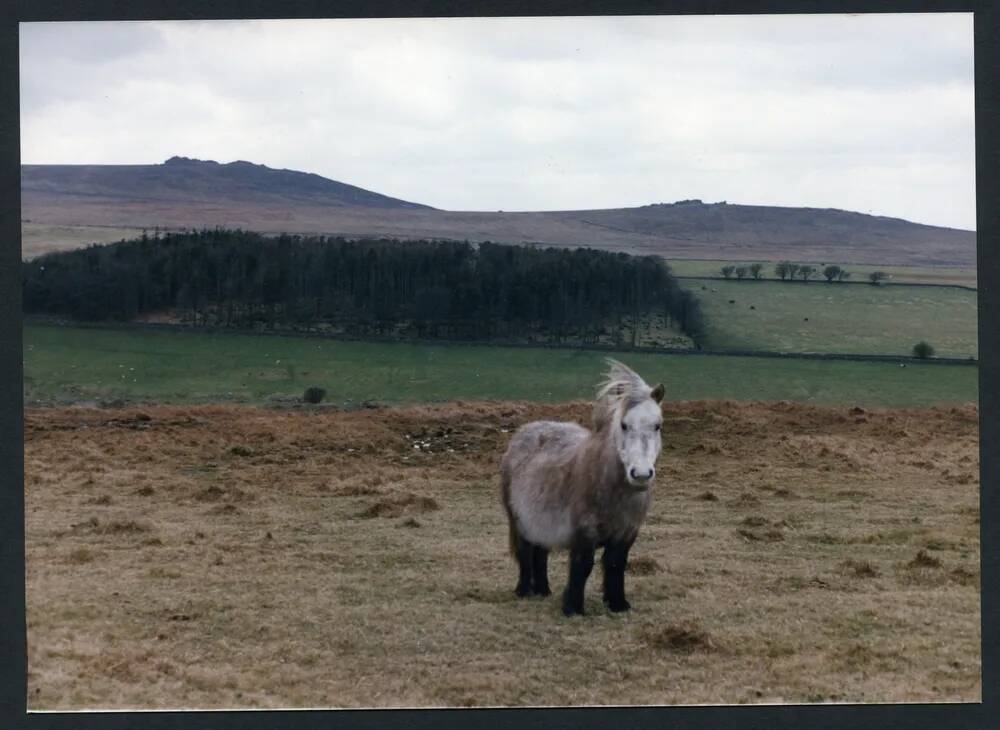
<point>326,562</point>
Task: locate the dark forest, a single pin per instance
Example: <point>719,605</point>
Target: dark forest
<point>373,287</point>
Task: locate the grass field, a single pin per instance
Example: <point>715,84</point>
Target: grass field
<point>859,272</point>
<point>230,556</point>
<point>822,317</point>
<point>74,364</point>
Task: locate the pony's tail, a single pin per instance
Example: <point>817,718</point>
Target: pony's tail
<point>512,537</point>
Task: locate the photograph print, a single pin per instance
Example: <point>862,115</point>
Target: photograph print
<point>500,362</point>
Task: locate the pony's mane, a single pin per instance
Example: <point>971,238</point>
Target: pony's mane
<point>621,389</point>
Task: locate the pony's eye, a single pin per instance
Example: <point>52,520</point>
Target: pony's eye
<point>656,427</point>
<point>624,426</point>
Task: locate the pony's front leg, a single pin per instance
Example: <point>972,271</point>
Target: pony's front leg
<point>614,560</point>
<point>581,562</point>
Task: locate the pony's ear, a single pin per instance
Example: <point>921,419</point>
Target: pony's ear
<point>658,393</point>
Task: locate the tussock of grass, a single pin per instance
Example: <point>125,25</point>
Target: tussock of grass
<point>215,494</point>
<point>355,490</point>
<point>79,556</point>
<point>939,544</point>
<point>113,527</point>
<point>124,527</point>
<point>859,568</point>
<point>890,537</point>
<point>642,565</point>
<point>397,506</point>
<point>224,509</point>
<point>210,494</point>
<point>746,499</point>
<point>686,639</point>
<point>164,573</point>
<point>924,559</point>
<point>773,535</point>
<point>964,576</point>
<point>857,657</point>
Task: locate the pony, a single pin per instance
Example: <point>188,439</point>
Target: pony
<point>565,486</point>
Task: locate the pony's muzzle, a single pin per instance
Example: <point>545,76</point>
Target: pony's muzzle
<point>640,477</point>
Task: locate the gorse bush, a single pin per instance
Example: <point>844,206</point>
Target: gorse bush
<point>314,395</point>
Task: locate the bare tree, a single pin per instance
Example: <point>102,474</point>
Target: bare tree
<point>876,277</point>
<point>727,271</point>
<point>807,272</point>
<point>831,273</point>
<point>741,272</point>
<point>755,270</point>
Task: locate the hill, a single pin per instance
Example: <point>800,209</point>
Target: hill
<point>186,193</point>
<point>184,180</point>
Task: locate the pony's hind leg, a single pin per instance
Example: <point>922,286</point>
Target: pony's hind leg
<point>524,552</point>
<point>540,571</point>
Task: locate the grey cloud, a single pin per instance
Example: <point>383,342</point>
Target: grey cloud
<point>520,114</point>
<point>90,43</point>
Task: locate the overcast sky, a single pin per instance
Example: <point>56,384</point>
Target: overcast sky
<point>871,113</point>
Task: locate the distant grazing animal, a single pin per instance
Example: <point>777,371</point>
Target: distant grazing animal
<point>564,486</point>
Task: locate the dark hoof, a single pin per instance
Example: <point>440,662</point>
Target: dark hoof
<point>619,607</point>
<point>523,591</point>
<point>543,591</point>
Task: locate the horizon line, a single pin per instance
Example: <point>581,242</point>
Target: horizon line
<point>494,211</point>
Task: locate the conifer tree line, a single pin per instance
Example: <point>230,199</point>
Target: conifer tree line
<point>428,289</point>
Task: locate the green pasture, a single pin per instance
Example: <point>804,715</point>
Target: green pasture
<point>836,318</point>
<point>77,364</point>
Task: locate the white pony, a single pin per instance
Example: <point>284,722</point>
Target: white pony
<point>564,486</point>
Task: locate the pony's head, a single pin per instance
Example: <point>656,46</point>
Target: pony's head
<point>628,411</point>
